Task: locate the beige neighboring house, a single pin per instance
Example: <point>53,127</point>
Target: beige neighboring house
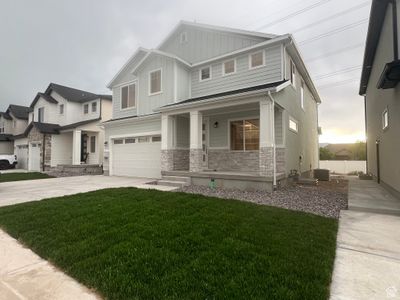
<point>64,130</point>
<point>379,85</point>
<point>12,123</point>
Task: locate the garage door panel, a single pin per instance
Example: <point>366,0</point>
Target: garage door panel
<point>22,156</point>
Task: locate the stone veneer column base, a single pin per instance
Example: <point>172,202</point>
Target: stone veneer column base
<point>266,161</point>
<point>167,160</point>
<point>195,160</point>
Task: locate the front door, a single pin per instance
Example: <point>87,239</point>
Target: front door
<point>204,139</point>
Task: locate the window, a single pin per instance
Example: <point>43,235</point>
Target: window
<point>94,106</point>
<point>128,96</point>
<point>293,125</point>
<point>205,73</point>
<point>2,128</point>
<point>155,82</point>
<point>130,141</point>
<point>14,123</point>
<point>156,138</point>
<point>256,60</point>
<point>385,119</point>
<point>40,115</point>
<point>118,142</point>
<point>86,109</point>
<point>143,139</point>
<point>229,67</point>
<point>292,73</point>
<point>61,109</point>
<point>93,144</point>
<point>302,94</point>
<point>245,134</point>
<point>183,37</point>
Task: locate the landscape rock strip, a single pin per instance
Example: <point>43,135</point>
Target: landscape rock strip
<point>24,275</point>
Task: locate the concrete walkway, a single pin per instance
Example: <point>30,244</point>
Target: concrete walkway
<point>367,264</point>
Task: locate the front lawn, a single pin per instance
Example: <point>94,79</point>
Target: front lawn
<point>22,176</point>
<point>141,244</point>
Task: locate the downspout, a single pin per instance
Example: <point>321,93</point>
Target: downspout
<point>366,134</point>
<point>273,142</point>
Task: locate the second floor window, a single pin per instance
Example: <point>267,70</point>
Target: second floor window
<point>61,109</point>
<point>256,60</point>
<point>94,107</point>
<point>229,67</point>
<point>155,82</point>
<point>128,96</point>
<point>86,109</point>
<point>205,73</point>
<point>293,125</point>
<point>292,73</point>
<point>2,128</point>
<point>41,115</point>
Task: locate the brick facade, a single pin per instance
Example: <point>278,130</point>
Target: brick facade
<point>175,160</point>
<point>195,160</point>
<point>266,161</point>
<point>36,136</point>
<point>227,160</point>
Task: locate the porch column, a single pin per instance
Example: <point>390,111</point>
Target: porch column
<point>266,137</point>
<point>196,121</point>
<point>167,136</point>
<point>76,147</point>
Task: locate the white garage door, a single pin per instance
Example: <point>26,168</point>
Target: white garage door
<point>34,157</point>
<point>137,157</point>
<point>22,155</point>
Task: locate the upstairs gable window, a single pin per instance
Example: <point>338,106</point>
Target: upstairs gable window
<point>94,107</point>
<point>205,73</point>
<point>293,73</point>
<point>40,115</point>
<point>183,37</point>
<point>128,96</point>
<point>229,67</point>
<point>155,82</point>
<point>86,109</point>
<point>61,107</point>
<point>256,60</point>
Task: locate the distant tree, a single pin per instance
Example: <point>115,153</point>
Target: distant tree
<point>325,154</point>
<point>359,151</point>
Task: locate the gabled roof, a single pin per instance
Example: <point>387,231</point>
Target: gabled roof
<point>48,98</point>
<point>5,115</point>
<point>216,28</point>
<point>376,19</point>
<point>74,125</point>
<point>19,112</point>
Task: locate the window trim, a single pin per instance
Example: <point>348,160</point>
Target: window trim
<point>161,82</point>
<point>84,110</point>
<point>200,79</point>
<point>223,67</point>
<point>63,109</point>
<point>244,137</point>
<point>297,124</point>
<point>385,111</point>
<point>263,60</point>
<point>92,105</point>
<point>135,82</point>
<point>38,119</point>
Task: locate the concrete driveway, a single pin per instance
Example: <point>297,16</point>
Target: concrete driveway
<point>34,190</point>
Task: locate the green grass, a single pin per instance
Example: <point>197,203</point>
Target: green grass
<point>23,176</point>
<point>138,244</point>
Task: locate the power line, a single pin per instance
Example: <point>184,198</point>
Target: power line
<point>337,15</point>
<point>296,13</point>
<point>335,52</point>
<point>339,72</point>
<point>338,83</point>
<point>334,31</point>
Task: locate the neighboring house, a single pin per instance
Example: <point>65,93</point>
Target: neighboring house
<point>213,103</point>
<point>379,86</point>
<point>64,129</point>
<point>12,122</point>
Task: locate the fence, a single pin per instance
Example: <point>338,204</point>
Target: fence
<point>343,166</point>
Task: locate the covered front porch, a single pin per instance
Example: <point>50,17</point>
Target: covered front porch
<point>231,143</point>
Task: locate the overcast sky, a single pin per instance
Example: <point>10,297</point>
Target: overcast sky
<point>84,43</point>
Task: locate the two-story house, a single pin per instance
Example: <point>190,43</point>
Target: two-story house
<point>220,106</point>
<point>64,129</point>
<point>12,123</point>
<point>381,90</point>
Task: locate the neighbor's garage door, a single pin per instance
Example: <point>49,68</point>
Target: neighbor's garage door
<point>137,156</point>
<point>22,155</point>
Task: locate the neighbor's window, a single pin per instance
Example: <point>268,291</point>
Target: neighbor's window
<point>293,125</point>
<point>40,115</point>
<point>156,138</point>
<point>385,119</point>
<point>292,73</point>
<point>94,106</point>
<point>155,82</point>
<point>128,96</point>
<point>183,37</point>
<point>245,134</point>
<point>86,109</point>
<point>61,109</point>
<point>229,67</point>
<point>2,128</point>
<point>256,59</point>
<point>93,144</point>
<point>302,94</point>
<point>205,73</point>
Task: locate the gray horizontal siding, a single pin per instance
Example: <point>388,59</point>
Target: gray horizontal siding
<point>244,77</point>
<point>133,128</point>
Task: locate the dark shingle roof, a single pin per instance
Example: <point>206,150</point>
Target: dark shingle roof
<point>47,127</point>
<point>73,94</point>
<point>18,111</point>
<point>74,125</point>
<point>5,115</point>
<point>6,137</point>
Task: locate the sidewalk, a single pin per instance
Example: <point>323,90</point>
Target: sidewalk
<point>367,264</point>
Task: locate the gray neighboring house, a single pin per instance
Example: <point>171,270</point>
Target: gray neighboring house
<point>379,86</point>
<point>214,104</point>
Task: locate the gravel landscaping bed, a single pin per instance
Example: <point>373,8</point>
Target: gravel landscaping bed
<point>326,199</point>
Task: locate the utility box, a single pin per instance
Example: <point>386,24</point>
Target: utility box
<point>321,174</point>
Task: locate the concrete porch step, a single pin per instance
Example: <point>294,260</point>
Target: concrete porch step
<point>177,178</point>
<point>174,183</point>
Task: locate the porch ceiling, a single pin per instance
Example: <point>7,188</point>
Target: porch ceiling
<point>231,109</point>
